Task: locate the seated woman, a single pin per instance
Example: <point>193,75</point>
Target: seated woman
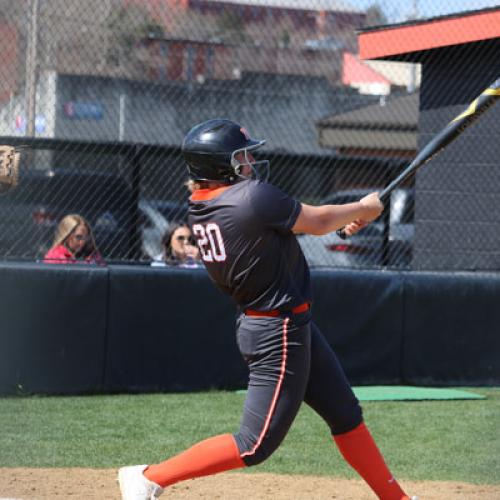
<point>179,248</point>
<point>73,243</point>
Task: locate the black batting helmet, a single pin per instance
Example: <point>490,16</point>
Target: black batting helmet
<point>209,149</point>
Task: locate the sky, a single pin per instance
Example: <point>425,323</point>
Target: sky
<point>395,10</point>
<point>400,10</point>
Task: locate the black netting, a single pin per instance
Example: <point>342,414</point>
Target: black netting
<point>100,94</point>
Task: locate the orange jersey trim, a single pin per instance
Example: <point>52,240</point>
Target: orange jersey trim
<point>208,193</point>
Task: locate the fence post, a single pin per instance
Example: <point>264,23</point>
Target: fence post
<point>386,221</point>
<point>134,252</point>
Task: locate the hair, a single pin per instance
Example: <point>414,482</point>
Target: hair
<point>166,241</point>
<point>66,227</point>
<point>195,185</point>
<point>190,184</point>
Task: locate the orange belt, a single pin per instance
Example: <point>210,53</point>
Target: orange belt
<point>276,312</point>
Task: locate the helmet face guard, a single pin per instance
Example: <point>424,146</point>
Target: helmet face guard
<point>210,149</point>
<point>260,168</point>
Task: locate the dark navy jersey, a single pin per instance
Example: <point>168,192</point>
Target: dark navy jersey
<point>245,237</point>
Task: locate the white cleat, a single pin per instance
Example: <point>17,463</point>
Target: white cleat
<point>134,485</point>
<point>414,498</point>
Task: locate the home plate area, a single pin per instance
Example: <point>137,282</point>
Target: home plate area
<point>100,484</point>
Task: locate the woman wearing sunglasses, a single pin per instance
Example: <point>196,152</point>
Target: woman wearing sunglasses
<point>179,248</point>
<point>73,242</point>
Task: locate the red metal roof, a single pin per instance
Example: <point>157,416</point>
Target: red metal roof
<point>355,71</point>
<point>389,41</point>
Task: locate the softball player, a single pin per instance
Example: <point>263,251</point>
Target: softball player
<point>245,229</point>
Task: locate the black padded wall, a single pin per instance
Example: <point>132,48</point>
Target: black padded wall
<point>360,313</point>
<point>452,329</point>
<point>171,330</point>
<point>74,330</point>
<point>52,328</point>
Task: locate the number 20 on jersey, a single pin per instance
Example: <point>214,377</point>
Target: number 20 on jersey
<point>210,242</point>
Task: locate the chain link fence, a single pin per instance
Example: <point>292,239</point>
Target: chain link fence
<point>101,92</point>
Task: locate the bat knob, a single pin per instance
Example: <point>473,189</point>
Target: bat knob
<point>341,233</point>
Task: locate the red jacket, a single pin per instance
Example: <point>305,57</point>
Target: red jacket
<point>61,255</point>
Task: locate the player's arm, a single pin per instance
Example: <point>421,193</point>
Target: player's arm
<point>327,218</point>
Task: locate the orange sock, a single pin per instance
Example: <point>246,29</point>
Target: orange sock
<point>210,456</point>
<point>362,454</point>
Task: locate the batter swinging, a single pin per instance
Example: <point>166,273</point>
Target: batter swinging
<point>245,229</point>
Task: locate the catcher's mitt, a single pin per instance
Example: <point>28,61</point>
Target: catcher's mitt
<point>9,167</point>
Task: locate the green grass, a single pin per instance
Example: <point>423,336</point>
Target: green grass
<point>436,440</point>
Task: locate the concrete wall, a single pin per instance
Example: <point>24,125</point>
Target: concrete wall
<point>283,109</point>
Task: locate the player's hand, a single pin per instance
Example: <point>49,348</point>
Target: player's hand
<point>355,226</point>
<point>192,251</point>
<point>372,206</point>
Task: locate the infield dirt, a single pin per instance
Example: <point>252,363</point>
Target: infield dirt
<point>80,484</point>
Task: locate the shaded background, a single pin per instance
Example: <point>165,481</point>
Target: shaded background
<point>100,95</point>
<point>102,92</point>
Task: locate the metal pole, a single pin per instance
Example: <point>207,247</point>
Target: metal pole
<point>121,118</point>
<point>31,70</point>
<point>412,85</point>
<point>135,242</point>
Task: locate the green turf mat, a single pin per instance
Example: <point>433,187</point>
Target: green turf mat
<point>408,393</point>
